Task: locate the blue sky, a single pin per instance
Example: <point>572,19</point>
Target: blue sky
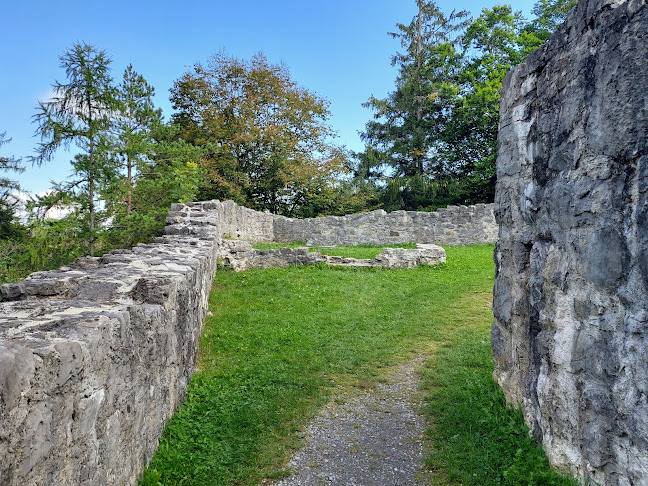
<point>337,48</point>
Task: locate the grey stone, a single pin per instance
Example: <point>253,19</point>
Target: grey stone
<point>239,255</point>
<point>455,225</point>
<point>571,204</point>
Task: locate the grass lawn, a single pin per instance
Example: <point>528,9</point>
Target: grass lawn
<point>281,341</point>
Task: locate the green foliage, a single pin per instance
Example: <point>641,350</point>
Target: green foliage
<point>433,141</point>
<point>492,44</point>
<point>9,227</point>
<point>267,138</point>
<point>407,123</point>
<point>170,173</point>
<point>80,113</point>
<point>7,185</point>
<point>41,246</point>
<point>134,145</point>
<point>129,170</point>
<point>549,15</point>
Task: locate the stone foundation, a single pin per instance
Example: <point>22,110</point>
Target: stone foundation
<point>239,256</point>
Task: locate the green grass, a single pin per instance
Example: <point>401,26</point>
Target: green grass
<point>281,341</point>
<point>476,438</point>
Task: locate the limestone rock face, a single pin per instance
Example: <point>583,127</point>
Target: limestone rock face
<point>570,296</point>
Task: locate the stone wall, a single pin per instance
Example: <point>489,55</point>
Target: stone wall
<point>239,255</point>
<point>95,357</point>
<point>233,221</point>
<point>454,225</point>
<point>570,294</point>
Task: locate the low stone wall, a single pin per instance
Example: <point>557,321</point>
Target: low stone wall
<point>570,297</point>
<point>454,226</point>
<point>239,256</point>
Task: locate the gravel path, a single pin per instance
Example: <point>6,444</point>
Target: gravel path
<point>370,438</point>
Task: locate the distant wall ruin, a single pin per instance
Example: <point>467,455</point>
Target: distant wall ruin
<point>571,291</point>
<point>454,226</point>
<point>95,357</point>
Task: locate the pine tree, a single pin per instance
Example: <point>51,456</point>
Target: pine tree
<point>81,113</point>
<point>137,117</point>
<point>407,122</point>
<point>8,226</point>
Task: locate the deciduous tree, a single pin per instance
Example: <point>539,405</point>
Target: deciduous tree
<point>549,15</point>
<point>268,139</point>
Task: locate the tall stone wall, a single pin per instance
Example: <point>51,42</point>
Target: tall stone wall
<point>570,296</point>
<point>454,225</point>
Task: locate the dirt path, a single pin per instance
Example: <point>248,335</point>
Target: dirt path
<point>370,438</point>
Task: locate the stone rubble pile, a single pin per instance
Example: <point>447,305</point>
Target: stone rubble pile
<point>239,255</point>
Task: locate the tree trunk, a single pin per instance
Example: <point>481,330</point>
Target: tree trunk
<point>129,179</point>
<point>91,223</point>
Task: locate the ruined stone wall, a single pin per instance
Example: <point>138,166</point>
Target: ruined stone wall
<point>454,225</point>
<point>239,255</point>
<point>95,357</point>
<point>570,296</point>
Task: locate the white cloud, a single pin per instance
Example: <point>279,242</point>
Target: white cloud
<point>23,198</point>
